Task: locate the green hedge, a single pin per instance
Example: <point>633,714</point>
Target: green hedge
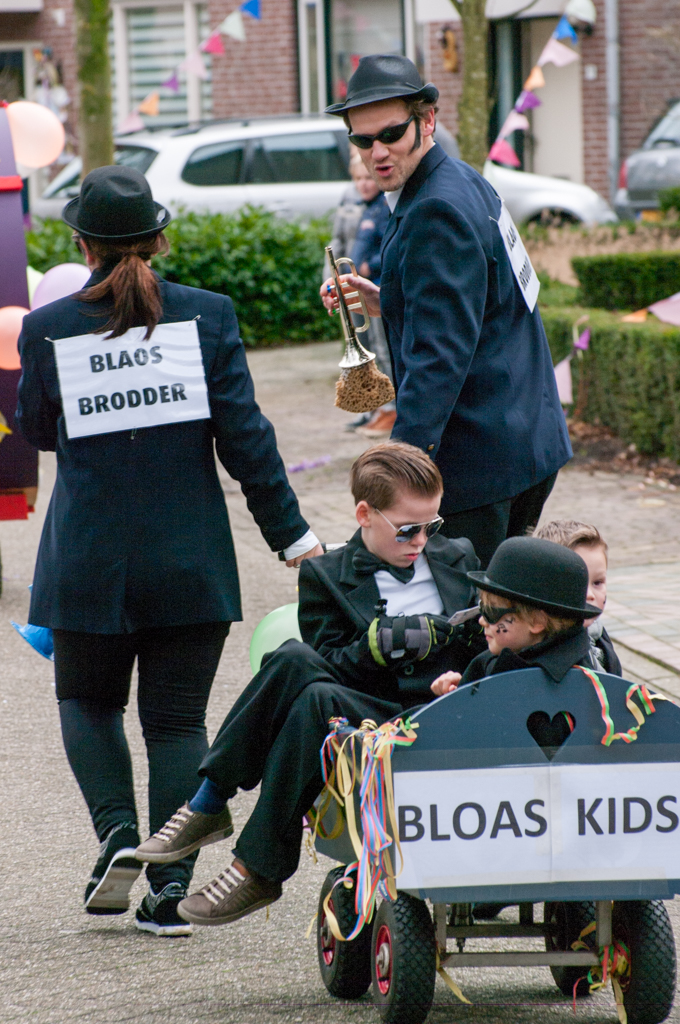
<point>632,373</point>
<point>627,280</point>
<point>270,267</point>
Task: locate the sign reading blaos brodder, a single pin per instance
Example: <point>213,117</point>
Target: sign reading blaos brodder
<point>538,824</point>
<point>127,382</point>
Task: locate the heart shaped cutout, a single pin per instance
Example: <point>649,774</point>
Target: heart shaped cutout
<point>550,733</point>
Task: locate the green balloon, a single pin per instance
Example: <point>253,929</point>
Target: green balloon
<point>275,628</point>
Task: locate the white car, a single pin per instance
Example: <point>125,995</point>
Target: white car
<point>294,166</point>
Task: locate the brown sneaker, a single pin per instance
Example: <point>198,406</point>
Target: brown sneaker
<point>229,896</point>
<point>186,831</point>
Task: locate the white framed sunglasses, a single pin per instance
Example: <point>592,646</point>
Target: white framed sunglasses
<point>403,534</point>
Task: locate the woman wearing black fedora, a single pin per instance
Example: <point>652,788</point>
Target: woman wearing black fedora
<point>134,383</point>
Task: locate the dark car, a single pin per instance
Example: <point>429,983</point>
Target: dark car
<point>654,167</point>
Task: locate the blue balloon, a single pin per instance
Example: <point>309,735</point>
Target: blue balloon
<point>39,637</point>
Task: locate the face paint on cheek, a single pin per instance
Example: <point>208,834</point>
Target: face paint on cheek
<point>502,626</point>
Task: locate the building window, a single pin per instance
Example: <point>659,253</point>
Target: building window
<point>354,30</point>
<point>148,43</point>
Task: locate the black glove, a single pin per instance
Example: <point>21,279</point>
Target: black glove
<point>406,638</point>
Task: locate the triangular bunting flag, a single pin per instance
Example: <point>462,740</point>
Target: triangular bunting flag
<point>638,317</point>
<point>563,381</point>
<point>150,105</point>
<point>535,79</point>
<point>526,101</point>
<point>213,44</point>
<point>132,123</point>
<point>667,310</point>
<point>233,26</point>
<point>171,83</point>
<point>503,153</point>
<point>252,7</point>
<point>514,122</point>
<point>557,54</point>
<point>565,30</point>
<point>193,65</point>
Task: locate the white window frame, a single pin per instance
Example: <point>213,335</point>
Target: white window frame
<point>409,27</point>
<point>120,52</point>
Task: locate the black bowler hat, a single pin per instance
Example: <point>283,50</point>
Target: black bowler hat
<point>539,572</point>
<point>115,202</point>
<point>384,76</point>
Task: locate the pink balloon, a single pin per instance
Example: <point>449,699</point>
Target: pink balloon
<point>11,319</point>
<point>59,282</point>
<point>37,133</point>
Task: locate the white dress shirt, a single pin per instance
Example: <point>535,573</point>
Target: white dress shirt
<point>417,597</point>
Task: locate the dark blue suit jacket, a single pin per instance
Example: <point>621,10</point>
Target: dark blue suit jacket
<point>137,532</point>
<point>474,376</point>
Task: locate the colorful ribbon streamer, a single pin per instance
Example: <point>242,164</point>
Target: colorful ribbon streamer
<point>614,964</point>
<point>644,696</point>
<point>373,867</point>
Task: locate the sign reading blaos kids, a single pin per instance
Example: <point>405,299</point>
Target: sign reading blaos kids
<point>538,824</point>
<point>127,383</point>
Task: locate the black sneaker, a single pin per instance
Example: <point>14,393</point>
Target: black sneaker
<point>114,873</point>
<point>158,913</point>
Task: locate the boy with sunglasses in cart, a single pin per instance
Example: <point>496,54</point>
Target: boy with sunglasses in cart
<point>354,664</point>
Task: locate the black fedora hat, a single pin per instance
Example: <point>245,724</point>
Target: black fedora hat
<point>115,202</point>
<point>384,76</point>
<point>541,573</point>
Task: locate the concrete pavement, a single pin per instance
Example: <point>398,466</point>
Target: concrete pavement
<point>58,964</point>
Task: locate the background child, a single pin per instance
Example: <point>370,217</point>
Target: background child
<point>587,542</point>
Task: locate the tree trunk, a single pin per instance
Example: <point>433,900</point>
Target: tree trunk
<point>94,76</point>
<point>473,108</point>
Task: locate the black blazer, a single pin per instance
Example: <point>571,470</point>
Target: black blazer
<point>137,532</point>
<point>337,606</point>
<point>474,375</point>
<point>555,655</point>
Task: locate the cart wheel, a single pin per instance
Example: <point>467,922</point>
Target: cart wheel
<point>345,966</point>
<point>644,926</point>
<point>568,921</point>
<point>403,961</point>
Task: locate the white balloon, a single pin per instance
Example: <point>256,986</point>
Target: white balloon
<point>37,133</point>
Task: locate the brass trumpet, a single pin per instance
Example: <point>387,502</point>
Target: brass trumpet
<point>362,386</point>
<point>355,353</point>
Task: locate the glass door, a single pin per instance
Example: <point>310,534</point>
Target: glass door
<point>356,28</point>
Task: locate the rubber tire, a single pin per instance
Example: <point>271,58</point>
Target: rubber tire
<point>645,927</point>
<point>414,961</point>
<point>348,976</point>
<point>572,918</point>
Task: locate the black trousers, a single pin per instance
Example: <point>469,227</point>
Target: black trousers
<point>489,525</point>
<point>176,669</point>
<point>273,734</point>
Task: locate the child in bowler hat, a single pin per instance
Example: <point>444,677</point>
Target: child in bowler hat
<point>533,601</point>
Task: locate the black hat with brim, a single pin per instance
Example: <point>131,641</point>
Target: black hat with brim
<point>115,203</point>
<point>384,76</point>
<point>539,573</point>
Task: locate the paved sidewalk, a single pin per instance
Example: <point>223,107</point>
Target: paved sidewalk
<point>58,965</point>
<point>643,618</point>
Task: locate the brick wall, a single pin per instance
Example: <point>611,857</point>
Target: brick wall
<point>594,95</point>
<point>259,76</point>
<point>449,83</point>
<point>650,59</point>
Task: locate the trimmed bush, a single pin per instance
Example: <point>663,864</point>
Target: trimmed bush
<point>632,376</point>
<point>669,199</point>
<point>49,243</point>
<point>627,280</point>
<point>270,267</point>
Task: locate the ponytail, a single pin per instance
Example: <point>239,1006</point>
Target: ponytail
<point>131,288</point>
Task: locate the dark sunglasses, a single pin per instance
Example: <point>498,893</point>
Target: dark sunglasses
<point>492,614</point>
<point>406,533</point>
<point>387,136</point>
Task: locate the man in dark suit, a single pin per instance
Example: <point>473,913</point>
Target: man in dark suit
<point>472,367</point>
<point>353,663</point>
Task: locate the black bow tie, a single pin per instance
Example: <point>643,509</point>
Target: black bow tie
<point>366,563</point>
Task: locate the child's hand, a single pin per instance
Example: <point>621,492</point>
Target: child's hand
<point>445,683</point>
